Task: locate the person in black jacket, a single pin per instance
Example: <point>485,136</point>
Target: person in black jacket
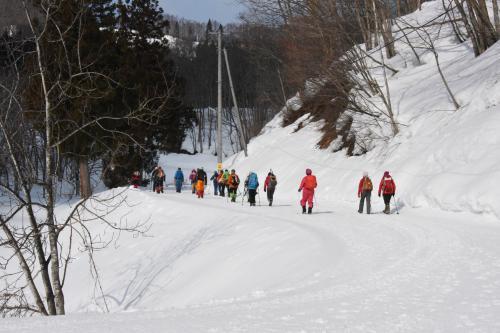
<point>201,182</point>
<point>158,179</point>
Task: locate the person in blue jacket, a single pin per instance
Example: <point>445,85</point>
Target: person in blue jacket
<point>215,180</point>
<point>252,185</point>
<point>179,180</point>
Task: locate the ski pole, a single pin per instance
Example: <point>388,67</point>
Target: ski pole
<point>396,204</point>
<point>243,198</point>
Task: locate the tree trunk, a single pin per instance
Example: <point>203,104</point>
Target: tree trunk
<point>85,188</point>
<point>383,17</point>
<point>468,27</point>
<point>496,17</point>
<point>36,234</point>
<point>201,125</point>
<point>26,270</point>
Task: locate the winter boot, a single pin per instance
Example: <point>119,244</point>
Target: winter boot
<point>387,209</point>
<point>310,210</point>
<point>303,209</point>
<point>270,203</point>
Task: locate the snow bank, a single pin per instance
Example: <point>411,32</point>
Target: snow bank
<point>441,158</point>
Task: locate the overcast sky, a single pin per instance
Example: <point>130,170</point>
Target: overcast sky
<point>224,11</point>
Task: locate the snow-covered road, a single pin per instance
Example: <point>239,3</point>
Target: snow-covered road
<point>214,266</point>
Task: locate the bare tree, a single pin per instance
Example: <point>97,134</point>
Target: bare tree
<point>478,24</point>
<point>39,241</point>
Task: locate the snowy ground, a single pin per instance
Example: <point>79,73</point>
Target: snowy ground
<point>232,268</point>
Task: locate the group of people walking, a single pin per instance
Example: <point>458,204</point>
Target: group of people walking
<point>229,182</point>
<point>386,188</point>
<point>225,181</point>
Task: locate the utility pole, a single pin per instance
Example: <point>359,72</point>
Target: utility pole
<point>236,111</point>
<point>219,99</point>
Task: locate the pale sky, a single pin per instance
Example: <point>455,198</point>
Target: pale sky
<point>224,11</point>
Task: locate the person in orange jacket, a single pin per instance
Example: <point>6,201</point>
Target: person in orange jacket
<point>233,184</point>
<point>201,181</point>
<point>388,188</point>
<point>364,193</point>
<point>307,187</point>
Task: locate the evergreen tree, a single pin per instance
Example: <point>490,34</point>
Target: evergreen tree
<point>151,84</point>
<point>209,29</point>
<point>128,111</point>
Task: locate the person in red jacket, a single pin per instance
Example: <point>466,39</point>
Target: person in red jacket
<point>136,179</point>
<point>364,193</point>
<point>307,186</point>
<point>387,187</point>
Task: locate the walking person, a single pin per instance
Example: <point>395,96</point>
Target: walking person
<point>201,182</point>
<point>387,188</point>
<point>364,193</point>
<point>252,185</point>
<point>136,179</point>
<point>233,184</point>
<point>226,180</point>
<point>223,178</point>
<point>215,181</point>
<point>307,187</point>
<point>192,179</point>
<point>179,180</point>
<point>153,176</point>
<point>270,187</point>
<point>158,180</point>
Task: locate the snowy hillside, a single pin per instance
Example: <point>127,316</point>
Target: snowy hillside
<point>442,158</point>
<point>215,266</point>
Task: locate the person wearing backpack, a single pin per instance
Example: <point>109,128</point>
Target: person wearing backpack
<point>226,180</point>
<point>158,180</point>
<point>233,183</point>
<point>387,188</point>
<point>223,178</point>
<point>252,184</point>
<point>179,179</point>
<point>364,193</point>
<point>307,187</point>
<point>201,182</point>
<point>192,179</point>
<point>215,181</point>
<point>270,187</point>
<point>153,176</point>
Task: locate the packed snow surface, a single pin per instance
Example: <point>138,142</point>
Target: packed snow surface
<point>214,266</point>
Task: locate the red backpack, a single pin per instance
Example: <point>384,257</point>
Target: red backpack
<point>388,185</point>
